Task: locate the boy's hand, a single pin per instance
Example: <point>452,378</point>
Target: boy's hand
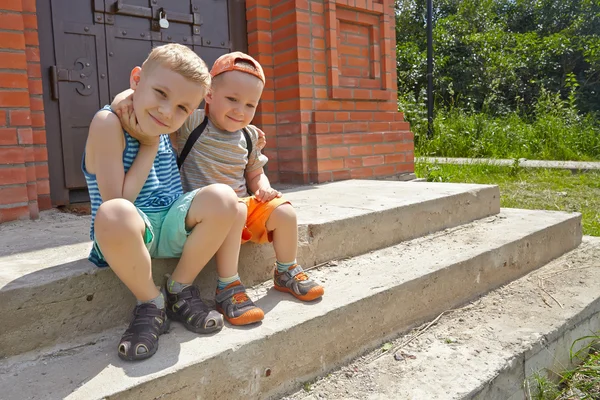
<point>262,139</point>
<point>264,195</point>
<point>124,110</point>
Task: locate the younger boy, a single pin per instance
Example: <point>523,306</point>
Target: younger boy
<point>221,155</point>
<point>139,210</point>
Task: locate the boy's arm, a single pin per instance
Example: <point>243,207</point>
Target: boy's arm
<point>258,183</point>
<point>104,158</point>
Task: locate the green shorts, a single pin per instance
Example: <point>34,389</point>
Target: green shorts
<point>165,232</point>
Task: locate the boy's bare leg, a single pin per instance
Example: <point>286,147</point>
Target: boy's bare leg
<point>289,277</point>
<point>119,231</point>
<point>228,255</point>
<point>210,217</point>
<point>284,225</point>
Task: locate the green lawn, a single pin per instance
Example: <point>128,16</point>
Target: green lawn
<point>541,189</point>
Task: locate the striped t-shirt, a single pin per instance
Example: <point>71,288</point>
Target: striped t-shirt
<point>218,156</point>
<point>161,189</point>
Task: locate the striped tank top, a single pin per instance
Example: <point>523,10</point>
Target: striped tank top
<point>159,192</point>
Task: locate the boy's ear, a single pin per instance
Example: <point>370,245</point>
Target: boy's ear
<point>209,96</point>
<point>134,78</point>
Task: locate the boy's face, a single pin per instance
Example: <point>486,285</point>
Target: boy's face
<point>163,99</point>
<point>233,99</point>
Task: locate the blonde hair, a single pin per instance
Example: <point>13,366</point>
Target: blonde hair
<point>179,59</point>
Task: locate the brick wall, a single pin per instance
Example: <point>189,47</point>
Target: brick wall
<point>330,104</point>
<point>24,186</point>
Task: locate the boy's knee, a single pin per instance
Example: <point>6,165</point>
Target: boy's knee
<point>284,214</point>
<point>220,198</point>
<point>242,213</point>
<point>116,215</point>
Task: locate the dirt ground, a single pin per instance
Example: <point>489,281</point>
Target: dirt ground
<point>463,334</point>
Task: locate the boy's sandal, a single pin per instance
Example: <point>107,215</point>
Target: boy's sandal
<point>140,340</point>
<point>187,308</point>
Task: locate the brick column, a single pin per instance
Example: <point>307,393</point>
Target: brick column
<point>24,185</point>
<point>330,104</point>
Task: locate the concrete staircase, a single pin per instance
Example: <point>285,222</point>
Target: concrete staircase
<point>391,255</point>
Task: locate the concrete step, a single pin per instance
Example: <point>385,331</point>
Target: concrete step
<point>488,349</point>
<point>369,298</point>
<point>50,293</point>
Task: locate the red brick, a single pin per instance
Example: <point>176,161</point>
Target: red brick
<point>14,213</point>
<point>30,21</point>
<point>43,186</point>
<point>12,175</point>
<point>37,103</point>
<point>353,162</point>
<point>395,158</point>
<point>8,136</point>
<point>330,165</point>
<point>35,86</point>
<point>2,116</point>
<point>20,117</point>
<point>323,153</point>
<point>34,70</point>
<point>359,173</point>
<point>11,40</point>
<point>25,136</point>
<point>14,99</point>
<point>403,147</point>
<point>41,171</point>
<point>31,38</point>
<point>329,139</point>
<point>39,136</point>
<point>372,138</point>
<point>339,151</point>
<point>12,155</point>
<point>30,169</point>
<point>32,191</point>
<point>13,60</point>
<point>44,202</point>
<point>361,150</point>
<point>37,120</point>
<point>13,80</point>
<point>371,161</point>
<point>11,5</point>
<point>384,170</point>
<point>29,5</point>
<point>384,148</point>
<point>33,54</point>
<point>11,21</point>
<point>12,195</point>
<point>41,154</point>
<point>341,175</point>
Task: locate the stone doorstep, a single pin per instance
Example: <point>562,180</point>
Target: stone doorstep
<point>573,166</point>
<point>487,349</point>
<point>369,298</point>
<point>53,295</point>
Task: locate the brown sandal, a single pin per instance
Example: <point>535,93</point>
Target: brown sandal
<point>140,340</point>
<point>187,308</point>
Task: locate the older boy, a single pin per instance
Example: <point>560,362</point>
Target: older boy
<point>139,210</point>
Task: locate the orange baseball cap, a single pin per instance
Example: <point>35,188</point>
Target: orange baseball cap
<point>227,62</point>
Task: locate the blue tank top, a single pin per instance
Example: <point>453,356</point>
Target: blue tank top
<point>159,192</point>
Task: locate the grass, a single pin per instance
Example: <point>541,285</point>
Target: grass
<point>540,189</point>
<point>581,382</point>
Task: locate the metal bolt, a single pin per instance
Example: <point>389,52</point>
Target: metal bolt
<point>99,18</point>
<point>168,37</point>
<point>196,30</point>
<point>89,86</point>
<point>153,1</point>
<point>87,29</point>
<point>142,34</point>
<point>222,43</point>
<point>111,54</point>
<point>124,33</point>
<point>82,75</point>
<point>195,8</point>
<point>87,64</point>
<point>208,42</point>
<point>102,76</point>
<point>185,39</point>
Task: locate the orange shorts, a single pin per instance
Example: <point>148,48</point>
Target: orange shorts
<point>256,221</point>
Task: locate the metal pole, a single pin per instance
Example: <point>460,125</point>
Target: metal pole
<point>429,69</point>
